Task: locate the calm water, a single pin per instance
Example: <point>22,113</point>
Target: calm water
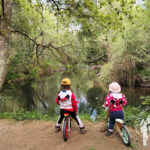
<point>40,95</point>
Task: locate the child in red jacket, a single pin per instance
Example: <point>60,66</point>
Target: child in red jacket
<point>66,100</point>
<point>115,101</point>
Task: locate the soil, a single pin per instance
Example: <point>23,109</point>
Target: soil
<point>40,135</point>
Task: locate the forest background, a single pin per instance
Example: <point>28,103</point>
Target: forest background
<point>39,36</point>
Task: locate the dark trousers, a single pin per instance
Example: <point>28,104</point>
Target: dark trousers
<point>115,115</point>
<point>72,113</point>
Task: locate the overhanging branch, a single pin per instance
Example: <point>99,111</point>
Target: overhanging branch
<point>48,46</point>
<point>36,43</point>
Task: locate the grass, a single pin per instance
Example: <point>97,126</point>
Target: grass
<point>34,115</point>
<point>24,115</point>
<point>130,113</point>
<point>85,117</point>
<point>133,146</point>
<point>92,148</point>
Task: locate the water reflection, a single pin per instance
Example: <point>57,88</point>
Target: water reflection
<point>27,93</point>
<point>133,95</point>
<point>40,95</point>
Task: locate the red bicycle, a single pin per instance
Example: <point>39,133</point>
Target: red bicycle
<point>66,126</point>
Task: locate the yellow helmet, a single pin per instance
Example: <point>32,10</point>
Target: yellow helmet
<point>66,81</point>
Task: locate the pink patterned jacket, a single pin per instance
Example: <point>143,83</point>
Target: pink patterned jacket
<point>119,99</point>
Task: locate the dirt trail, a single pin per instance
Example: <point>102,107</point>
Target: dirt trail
<point>40,135</point>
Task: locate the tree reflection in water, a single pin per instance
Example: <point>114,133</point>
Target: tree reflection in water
<point>41,95</point>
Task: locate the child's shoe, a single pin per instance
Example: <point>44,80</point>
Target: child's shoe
<point>82,130</point>
<point>57,129</point>
<point>108,133</point>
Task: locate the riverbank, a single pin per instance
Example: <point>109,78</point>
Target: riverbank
<point>40,135</point>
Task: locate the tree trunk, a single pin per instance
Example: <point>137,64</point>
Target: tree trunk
<point>4,38</point>
<point>3,60</point>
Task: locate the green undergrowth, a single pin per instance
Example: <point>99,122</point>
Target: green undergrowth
<point>85,117</point>
<point>24,115</point>
<point>34,115</point>
<point>133,116</point>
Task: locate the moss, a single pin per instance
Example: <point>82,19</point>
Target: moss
<point>3,32</point>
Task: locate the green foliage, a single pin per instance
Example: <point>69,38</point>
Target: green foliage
<point>146,100</point>
<point>130,115</point>
<point>24,115</point>
<point>133,146</point>
<point>12,76</point>
<point>84,117</point>
<point>83,32</point>
<point>102,115</point>
<point>134,120</point>
<point>34,73</point>
<point>21,114</point>
<point>7,101</point>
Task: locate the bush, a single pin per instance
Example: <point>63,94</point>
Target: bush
<point>146,100</point>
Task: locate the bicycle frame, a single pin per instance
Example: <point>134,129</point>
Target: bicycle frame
<point>118,125</point>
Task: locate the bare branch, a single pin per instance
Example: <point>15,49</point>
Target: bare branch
<point>58,49</point>
<point>26,35</point>
<point>55,3</point>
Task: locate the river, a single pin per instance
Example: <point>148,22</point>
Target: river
<point>40,95</point>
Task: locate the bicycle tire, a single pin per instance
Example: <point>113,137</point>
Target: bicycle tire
<point>65,130</point>
<point>70,124</point>
<point>126,136</point>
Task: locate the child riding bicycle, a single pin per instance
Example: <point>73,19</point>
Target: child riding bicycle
<point>68,104</point>
<point>115,102</point>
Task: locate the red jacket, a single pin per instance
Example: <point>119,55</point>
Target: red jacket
<point>73,102</point>
<point>119,101</point>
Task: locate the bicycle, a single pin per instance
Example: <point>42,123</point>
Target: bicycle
<point>66,126</point>
<point>121,129</point>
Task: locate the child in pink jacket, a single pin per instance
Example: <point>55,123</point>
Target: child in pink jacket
<point>115,101</point>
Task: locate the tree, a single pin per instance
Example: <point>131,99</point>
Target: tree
<point>5,15</point>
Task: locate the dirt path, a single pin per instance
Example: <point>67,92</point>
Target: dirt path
<point>40,135</point>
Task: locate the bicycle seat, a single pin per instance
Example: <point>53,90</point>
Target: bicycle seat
<point>66,114</point>
<point>119,120</point>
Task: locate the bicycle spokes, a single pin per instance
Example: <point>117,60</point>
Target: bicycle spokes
<point>125,135</point>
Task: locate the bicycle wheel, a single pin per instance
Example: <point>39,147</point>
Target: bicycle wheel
<point>126,136</point>
<point>65,130</point>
